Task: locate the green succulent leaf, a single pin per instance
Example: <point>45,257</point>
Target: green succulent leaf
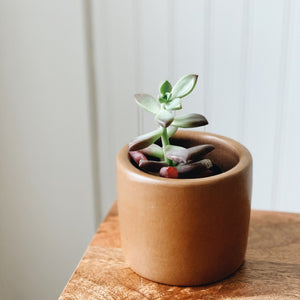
<point>166,87</point>
<point>147,102</point>
<point>165,98</point>
<point>175,104</point>
<point>145,140</point>
<point>189,121</point>
<point>184,86</point>
<point>176,153</point>
<point>154,151</point>
<point>171,130</point>
<point>164,118</point>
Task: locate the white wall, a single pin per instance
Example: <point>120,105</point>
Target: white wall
<point>46,193</point>
<point>68,72</point>
<point>247,56</point>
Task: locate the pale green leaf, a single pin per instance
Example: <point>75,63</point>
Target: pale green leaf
<point>154,151</point>
<point>189,121</point>
<point>176,153</point>
<point>171,130</point>
<point>145,140</point>
<point>147,102</point>
<point>175,104</point>
<point>164,118</point>
<point>184,86</point>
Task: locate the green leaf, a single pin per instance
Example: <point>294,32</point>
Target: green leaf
<point>184,86</point>
<point>165,98</point>
<point>171,130</point>
<point>166,87</point>
<point>145,140</point>
<point>154,151</point>
<point>164,118</point>
<point>175,104</point>
<point>176,153</point>
<point>189,121</point>
<point>147,102</point>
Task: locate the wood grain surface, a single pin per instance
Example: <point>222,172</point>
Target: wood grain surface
<point>271,269</point>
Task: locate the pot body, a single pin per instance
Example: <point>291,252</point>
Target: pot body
<point>186,231</point>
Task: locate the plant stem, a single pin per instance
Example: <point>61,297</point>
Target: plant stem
<point>165,142</point>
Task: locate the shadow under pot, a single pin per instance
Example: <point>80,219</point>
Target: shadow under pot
<point>186,232</point>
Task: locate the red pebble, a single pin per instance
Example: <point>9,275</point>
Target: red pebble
<point>137,156</point>
<point>169,172</point>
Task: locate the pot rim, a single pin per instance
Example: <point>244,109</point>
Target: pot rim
<point>244,157</point>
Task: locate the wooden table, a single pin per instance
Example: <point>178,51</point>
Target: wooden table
<point>271,269</point>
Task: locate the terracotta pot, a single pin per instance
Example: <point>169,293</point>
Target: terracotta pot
<point>186,231</point>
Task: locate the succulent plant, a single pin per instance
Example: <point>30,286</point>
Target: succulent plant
<point>170,160</point>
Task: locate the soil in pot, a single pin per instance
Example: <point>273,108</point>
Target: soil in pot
<point>154,167</point>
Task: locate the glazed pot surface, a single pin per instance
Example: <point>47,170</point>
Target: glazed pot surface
<point>186,231</point>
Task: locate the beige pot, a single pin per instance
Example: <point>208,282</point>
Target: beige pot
<point>186,231</point>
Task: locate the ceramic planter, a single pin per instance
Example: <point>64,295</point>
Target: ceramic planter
<point>186,231</point>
